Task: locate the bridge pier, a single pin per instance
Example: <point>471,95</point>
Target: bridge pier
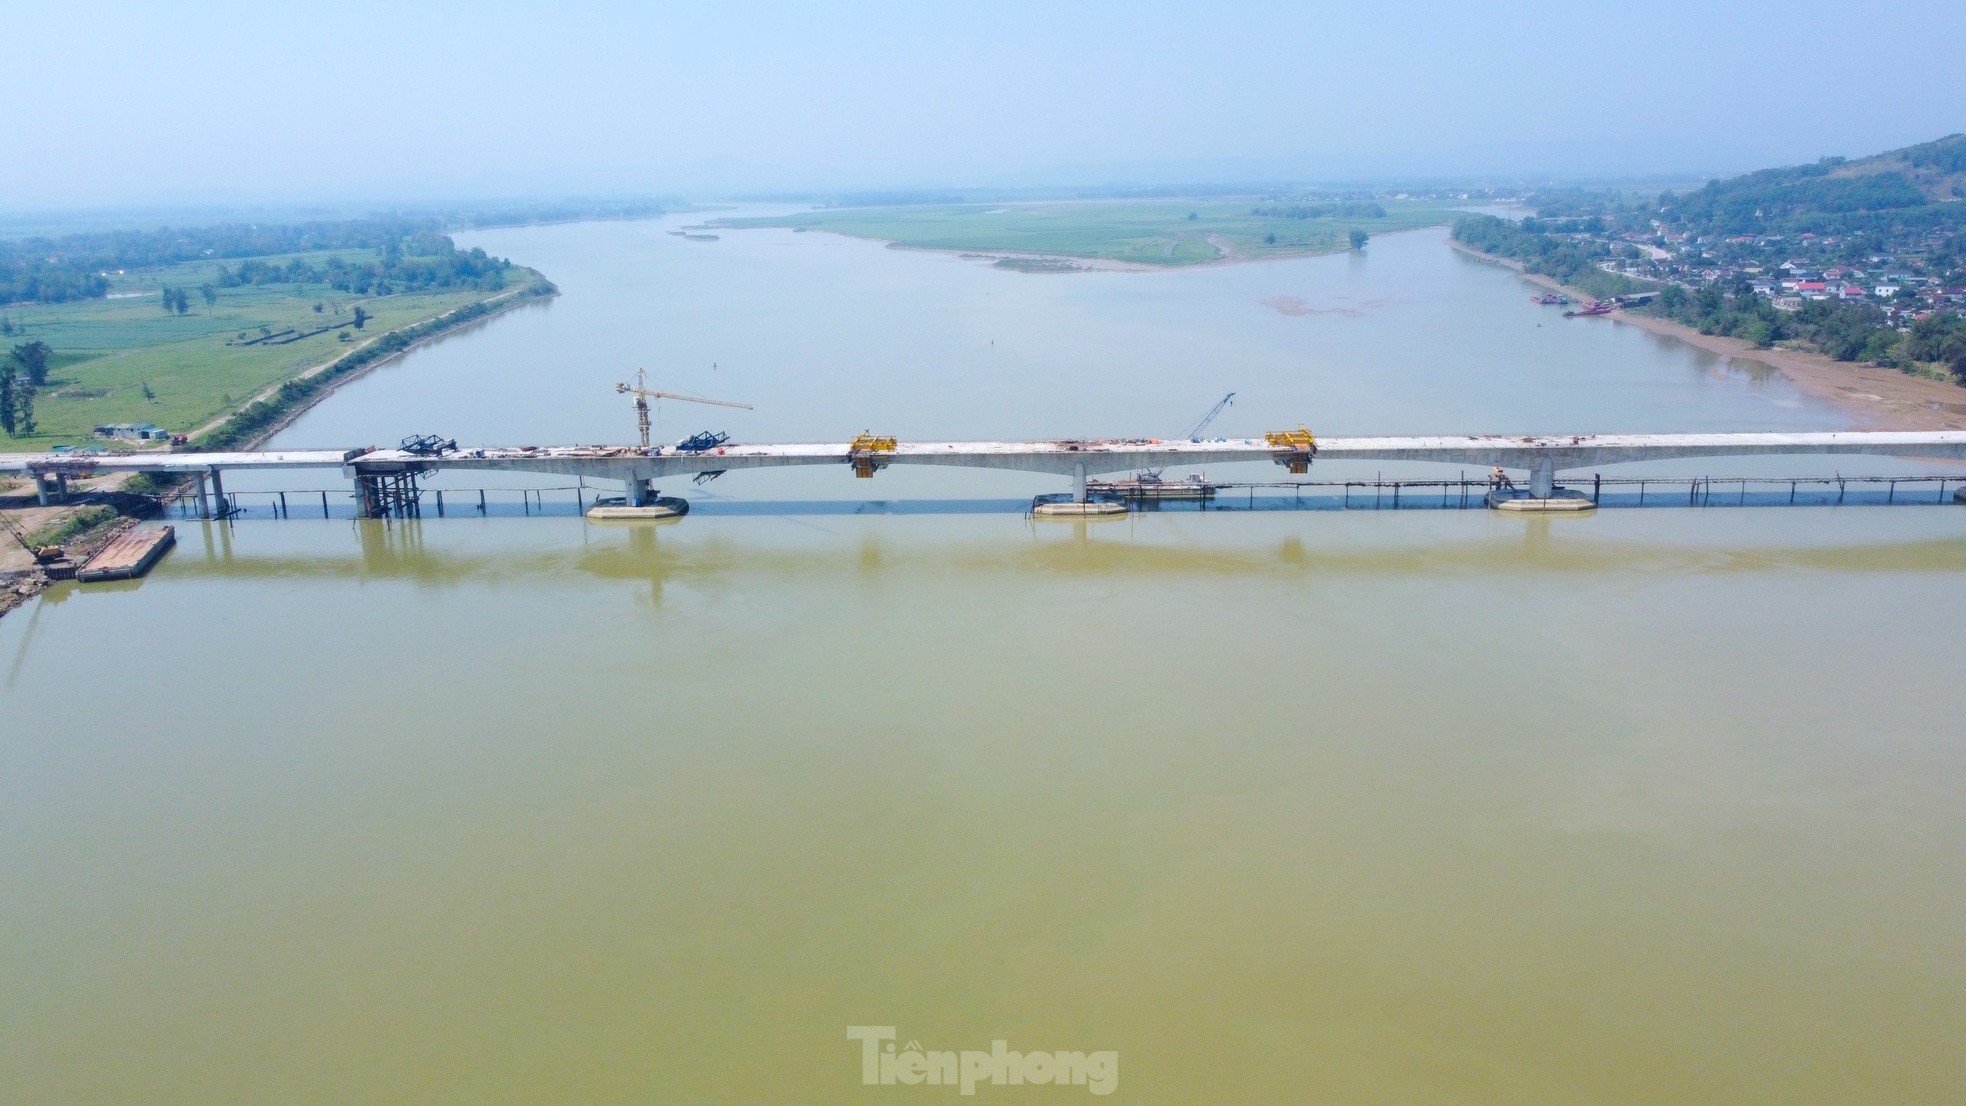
<point>1544,497</point>
<point>640,502</point>
<point>204,503</point>
<point>1542,479</point>
<point>1081,505</point>
<point>218,492</point>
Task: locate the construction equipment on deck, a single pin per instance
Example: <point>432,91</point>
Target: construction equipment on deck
<point>1194,432</point>
<point>1293,449</point>
<point>643,394</point>
<point>702,442</point>
<point>1152,476</point>
<point>865,453</point>
<point>428,445</point>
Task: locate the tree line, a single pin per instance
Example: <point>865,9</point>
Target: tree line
<point>1571,260</point>
<point>73,267</point>
<point>1844,331</point>
<point>1321,211</point>
<point>423,262</point>
<point>23,372</point>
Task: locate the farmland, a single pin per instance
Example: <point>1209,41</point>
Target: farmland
<point>1160,232</point>
<point>125,358</point>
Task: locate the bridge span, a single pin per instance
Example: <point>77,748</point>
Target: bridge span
<point>1541,456</point>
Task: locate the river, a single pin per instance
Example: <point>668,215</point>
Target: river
<point>1661,806</point>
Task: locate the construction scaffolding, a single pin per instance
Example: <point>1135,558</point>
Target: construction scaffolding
<point>392,494</point>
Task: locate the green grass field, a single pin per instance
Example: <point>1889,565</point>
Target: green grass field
<point>1159,232</point>
<point>107,350</point>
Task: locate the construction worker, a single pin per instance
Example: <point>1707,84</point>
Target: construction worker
<point>1499,480</point>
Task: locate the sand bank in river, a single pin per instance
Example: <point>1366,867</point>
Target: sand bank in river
<point>1877,398</point>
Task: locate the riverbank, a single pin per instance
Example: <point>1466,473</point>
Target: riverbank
<point>1876,397</point>
<point>293,398</point>
<point>21,579</point>
<point>265,415</point>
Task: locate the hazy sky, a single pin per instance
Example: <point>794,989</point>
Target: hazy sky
<point>191,101</point>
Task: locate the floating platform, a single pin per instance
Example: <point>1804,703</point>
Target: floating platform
<point>1096,508</point>
<point>128,555</point>
<point>1562,501</point>
<point>617,509</point>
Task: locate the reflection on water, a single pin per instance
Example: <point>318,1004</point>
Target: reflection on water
<point>1350,807</point>
<point>1649,806</point>
<point>1092,548</point>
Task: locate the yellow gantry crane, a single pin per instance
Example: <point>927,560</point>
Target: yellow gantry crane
<point>1293,449</point>
<point>643,394</point>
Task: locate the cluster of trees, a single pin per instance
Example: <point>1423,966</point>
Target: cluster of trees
<point>1940,338</point>
<point>1844,331</point>
<point>420,263</point>
<point>1569,258</point>
<point>1947,155</point>
<point>39,280</point>
<point>1892,195</point>
<point>1808,199</point>
<point>175,301</point>
<point>23,372</point>
<point>1321,211</point>
<point>1581,203</point>
<point>55,270</point>
<point>569,212</point>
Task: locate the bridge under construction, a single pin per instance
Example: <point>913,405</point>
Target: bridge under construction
<point>385,479</point>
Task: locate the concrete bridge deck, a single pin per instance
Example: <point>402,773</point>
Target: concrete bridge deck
<point>1542,456</point>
